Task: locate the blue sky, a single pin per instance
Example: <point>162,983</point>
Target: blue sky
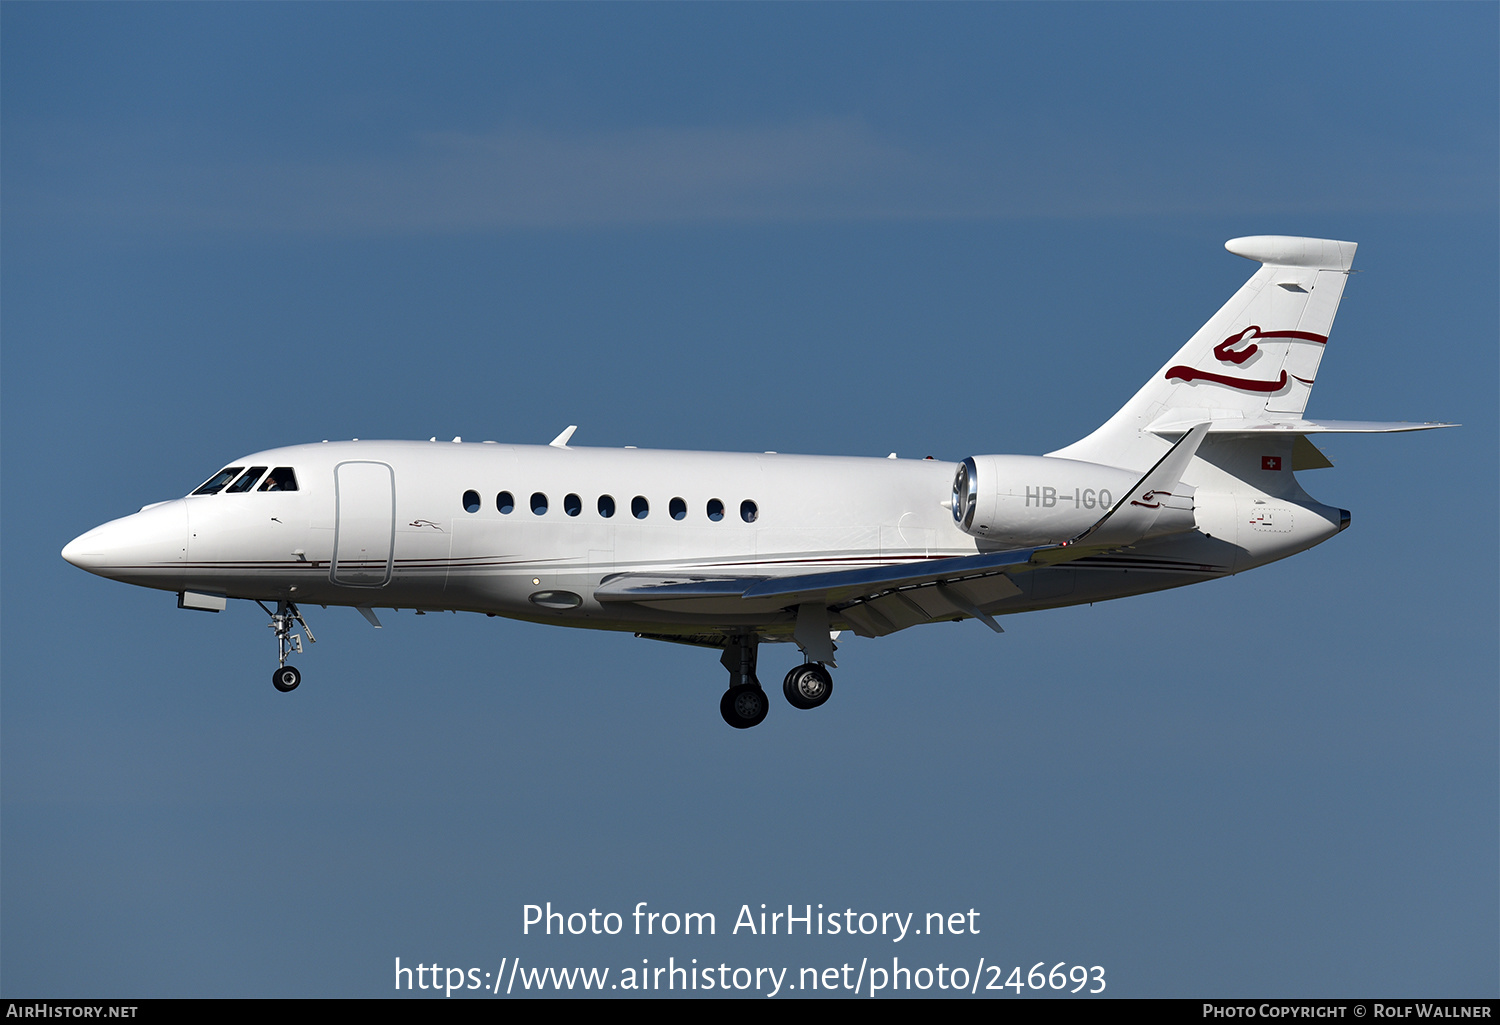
<point>840,229</point>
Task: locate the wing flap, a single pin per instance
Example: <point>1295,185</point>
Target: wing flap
<point>933,603</point>
<point>867,622</point>
<point>896,609</point>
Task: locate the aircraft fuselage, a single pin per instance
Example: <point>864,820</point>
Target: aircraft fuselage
<point>419,525</point>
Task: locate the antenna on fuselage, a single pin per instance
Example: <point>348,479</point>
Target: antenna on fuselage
<point>561,441</point>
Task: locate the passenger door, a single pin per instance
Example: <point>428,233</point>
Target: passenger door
<point>365,524</point>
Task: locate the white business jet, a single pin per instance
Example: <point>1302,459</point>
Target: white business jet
<point>1194,478</point>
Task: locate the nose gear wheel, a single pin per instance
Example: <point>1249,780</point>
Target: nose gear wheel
<point>287,615</point>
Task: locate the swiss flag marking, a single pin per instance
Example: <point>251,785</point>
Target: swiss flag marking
<point>1270,462</point>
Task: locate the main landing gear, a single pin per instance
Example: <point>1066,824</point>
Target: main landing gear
<point>745,703</point>
<point>286,678</point>
<point>744,706</point>
<point>807,685</point>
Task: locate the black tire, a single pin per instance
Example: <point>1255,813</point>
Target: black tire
<point>286,679</point>
<point>744,706</point>
<point>807,685</point>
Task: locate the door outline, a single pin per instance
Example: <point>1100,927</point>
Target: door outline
<point>338,525</point>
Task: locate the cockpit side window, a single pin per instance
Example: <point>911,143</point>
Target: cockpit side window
<point>216,483</point>
<point>283,478</point>
<point>246,482</point>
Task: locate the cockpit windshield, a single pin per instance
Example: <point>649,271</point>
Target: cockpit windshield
<point>216,483</point>
<point>246,482</point>
<point>280,479</point>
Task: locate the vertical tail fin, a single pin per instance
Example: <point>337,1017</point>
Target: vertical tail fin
<point>1255,359</point>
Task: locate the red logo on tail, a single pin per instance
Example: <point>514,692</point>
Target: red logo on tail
<point>1225,352</point>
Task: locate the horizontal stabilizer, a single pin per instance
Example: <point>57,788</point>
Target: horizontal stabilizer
<point>1176,423</point>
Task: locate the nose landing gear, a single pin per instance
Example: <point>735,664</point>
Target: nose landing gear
<point>286,678</point>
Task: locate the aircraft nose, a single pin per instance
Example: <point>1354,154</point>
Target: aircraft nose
<point>83,551</point>
<point>154,536</point>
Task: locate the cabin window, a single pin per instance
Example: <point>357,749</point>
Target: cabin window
<point>640,507</point>
<point>216,483</point>
<point>246,482</point>
<point>572,505</point>
<point>678,509</point>
<point>715,510</point>
<point>606,506</point>
<point>505,502</point>
<point>280,479</point>
<point>539,503</point>
<point>748,512</point>
<point>471,501</point>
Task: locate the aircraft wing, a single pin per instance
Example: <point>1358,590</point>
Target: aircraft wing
<point>875,601</point>
<point>883,599</point>
<point>878,600</point>
<point>831,588</point>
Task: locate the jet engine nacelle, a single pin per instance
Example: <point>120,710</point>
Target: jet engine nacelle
<point>1037,500</point>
